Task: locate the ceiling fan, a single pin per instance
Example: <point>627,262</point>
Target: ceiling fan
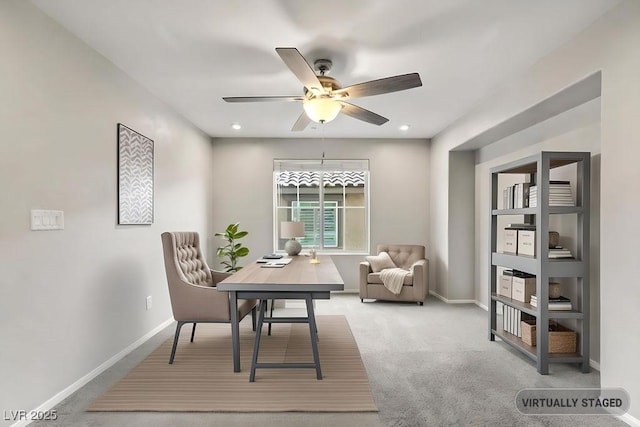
<point>324,98</point>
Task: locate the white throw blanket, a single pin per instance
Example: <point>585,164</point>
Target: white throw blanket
<point>393,278</point>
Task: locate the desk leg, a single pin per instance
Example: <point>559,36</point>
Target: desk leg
<point>235,330</point>
<point>314,335</point>
<point>256,344</point>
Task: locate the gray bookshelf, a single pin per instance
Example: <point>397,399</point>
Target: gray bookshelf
<point>538,168</point>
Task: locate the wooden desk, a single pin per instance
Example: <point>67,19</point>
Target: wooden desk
<point>298,280</point>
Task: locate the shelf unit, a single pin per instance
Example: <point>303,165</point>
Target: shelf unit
<point>538,167</point>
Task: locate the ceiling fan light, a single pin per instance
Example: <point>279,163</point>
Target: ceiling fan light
<point>321,110</point>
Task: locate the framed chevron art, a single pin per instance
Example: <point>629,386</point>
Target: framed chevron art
<point>135,177</point>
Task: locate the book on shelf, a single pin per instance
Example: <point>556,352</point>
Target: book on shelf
<point>516,226</point>
<point>559,252</point>
<point>555,304</point>
<point>516,196</point>
<point>521,195</point>
<point>559,299</point>
<point>560,194</point>
<point>511,320</point>
<point>533,196</point>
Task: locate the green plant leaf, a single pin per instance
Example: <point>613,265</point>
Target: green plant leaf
<point>232,250</point>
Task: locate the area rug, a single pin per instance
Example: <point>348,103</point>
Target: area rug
<point>201,378</point>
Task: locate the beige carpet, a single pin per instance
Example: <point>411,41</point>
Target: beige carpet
<point>202,379</point>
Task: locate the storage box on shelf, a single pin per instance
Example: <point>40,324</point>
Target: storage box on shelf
<point>527,242</point>
<point>510,242</point>
<point>537,253</point>
<point>529,332</point>
<point>561,339</point>
<point>523,286</point>
<point>504,287</point>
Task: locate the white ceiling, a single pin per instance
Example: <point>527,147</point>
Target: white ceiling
<point>192,53</point>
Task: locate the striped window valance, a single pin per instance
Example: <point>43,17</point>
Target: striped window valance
<point>298,173</point>
<point>312,179</point>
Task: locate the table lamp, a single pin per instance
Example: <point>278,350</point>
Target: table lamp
<point>291,230</point>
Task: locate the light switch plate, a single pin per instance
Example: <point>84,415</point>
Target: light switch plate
<point>47,219</point>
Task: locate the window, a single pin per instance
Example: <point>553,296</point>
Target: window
<point>307,213</point>
<point>340,187</point>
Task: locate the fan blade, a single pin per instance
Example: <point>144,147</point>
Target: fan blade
<point>362,114</point>
<point>262,98</point>
<point>301,68</point>
<point>301,123</point>
<point>380,86</point>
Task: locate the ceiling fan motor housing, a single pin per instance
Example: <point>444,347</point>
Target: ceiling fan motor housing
<point>323,66</point>
<point>328,83</point>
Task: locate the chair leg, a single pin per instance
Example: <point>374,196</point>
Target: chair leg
<point>175,341</point>
<point>271,315</point>
<point>361,299</point>
<point>193,331</point>
<point>420,303</point>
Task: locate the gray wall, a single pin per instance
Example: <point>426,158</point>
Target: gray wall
<point>399,189</point>
<point>461,212</point>
<point>72,299</point>
<point>610,46</point>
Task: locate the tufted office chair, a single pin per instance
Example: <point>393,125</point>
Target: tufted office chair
<point>192,286</point>
<point>415,286</point>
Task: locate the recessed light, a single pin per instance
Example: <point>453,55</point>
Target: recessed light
<point>404,128</point>
<point>236,126</point>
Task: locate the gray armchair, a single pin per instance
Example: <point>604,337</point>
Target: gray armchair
<point>415,285</point>
<point>192,286</point>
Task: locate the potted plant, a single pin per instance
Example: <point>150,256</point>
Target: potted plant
<point>232,250</point>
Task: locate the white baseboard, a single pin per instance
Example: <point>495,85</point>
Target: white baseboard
<point>452,301</point>
<point>59,397</point>
<point>482,306</point>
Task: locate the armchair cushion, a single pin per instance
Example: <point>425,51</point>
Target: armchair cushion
<point>380,262</point>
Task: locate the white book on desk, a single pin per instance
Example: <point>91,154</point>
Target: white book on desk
<point>281,262</point>
<point>272,265</point>
<point>276,263</point>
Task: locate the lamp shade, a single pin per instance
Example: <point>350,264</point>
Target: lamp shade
<point>321,110</point>
<point>289,230</point>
